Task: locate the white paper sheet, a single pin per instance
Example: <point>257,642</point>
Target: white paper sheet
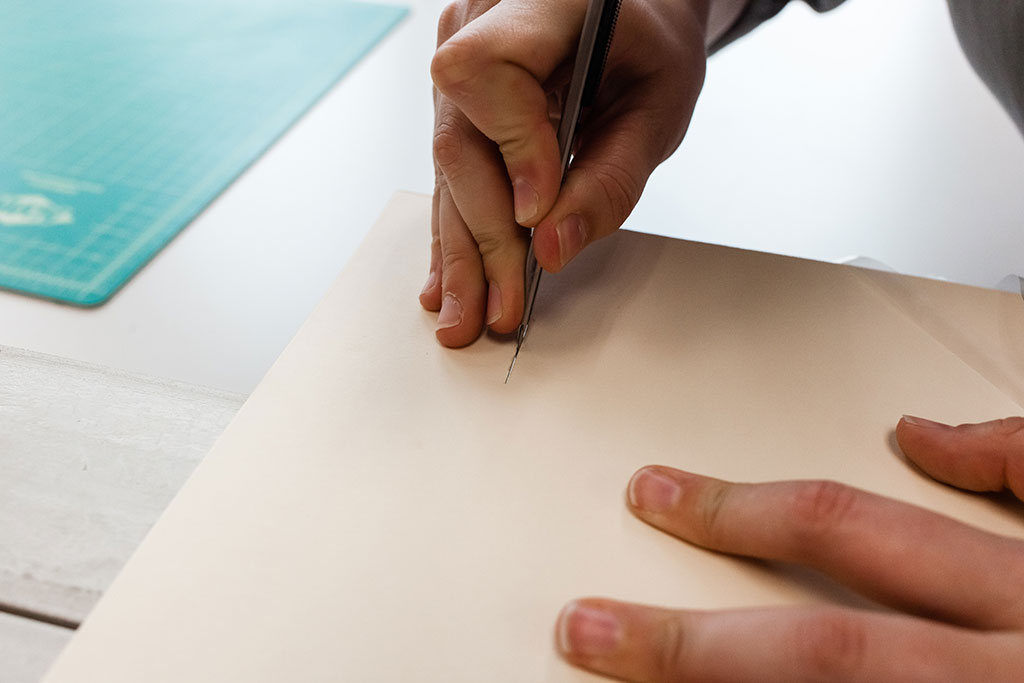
<point>384,509</point>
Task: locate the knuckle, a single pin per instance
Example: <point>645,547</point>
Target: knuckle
<point>493,242</point>
<point>447,142</point>
<point>455,62</point>
<point>450,20</point>
<point>514,142</point>
<point>620,188</point>
<point>673,655</point>
<point>442,65</point>
<point>1011,452</point>
<point>463,51</point>
<point>454,260</point>
<point>830,647</point>
<point>711,505</point>
<point>441,184</point>
<point>518,133</point>
<point>818,508</point>
<point>1004,607</point>
<point>1012,427</point>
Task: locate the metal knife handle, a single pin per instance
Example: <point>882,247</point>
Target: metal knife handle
<point>598,25</point>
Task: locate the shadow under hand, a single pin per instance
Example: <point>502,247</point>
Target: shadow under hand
<point>577,309</point>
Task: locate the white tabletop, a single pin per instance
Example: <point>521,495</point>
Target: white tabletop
<point>860,133</point>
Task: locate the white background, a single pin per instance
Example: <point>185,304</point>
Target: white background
<point>862,132</point>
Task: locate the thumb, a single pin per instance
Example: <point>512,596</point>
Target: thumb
<point>600,190</point>
<point>615,154</point>
<point>978,457</point>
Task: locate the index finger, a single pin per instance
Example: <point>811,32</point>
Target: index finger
<point>640,643</point>
<point>899,554</point>
<point>493,69</point>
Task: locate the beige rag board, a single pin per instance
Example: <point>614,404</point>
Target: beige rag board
<point>383,509</point>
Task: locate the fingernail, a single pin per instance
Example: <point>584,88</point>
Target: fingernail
<point>588,631</point>
<point>525,199</point>
<point>431,282</point>
<point>571,237</point>
<point>652,491</point>
<point>493,304</point>
<point>451,312</point>
<point>921,422</point>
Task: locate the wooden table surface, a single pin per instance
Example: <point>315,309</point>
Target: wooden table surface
<point>89,458</point>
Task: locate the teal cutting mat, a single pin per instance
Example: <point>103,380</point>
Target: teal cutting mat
<point>120,120</point>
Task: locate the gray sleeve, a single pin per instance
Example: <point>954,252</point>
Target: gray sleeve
<point>990,31</point>
<point>759,11</point>
<point>992,34</point>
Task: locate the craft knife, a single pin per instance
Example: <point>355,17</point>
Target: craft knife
<point>591,56</point>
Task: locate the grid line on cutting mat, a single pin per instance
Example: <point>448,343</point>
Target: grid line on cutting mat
<point>121,120</point>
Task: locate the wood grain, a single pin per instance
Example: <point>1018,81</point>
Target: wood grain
<point>89,458</point>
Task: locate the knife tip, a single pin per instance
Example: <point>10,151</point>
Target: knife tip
<point>512,365</point>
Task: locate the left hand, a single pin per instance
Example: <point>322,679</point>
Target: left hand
<point>958,591</point>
